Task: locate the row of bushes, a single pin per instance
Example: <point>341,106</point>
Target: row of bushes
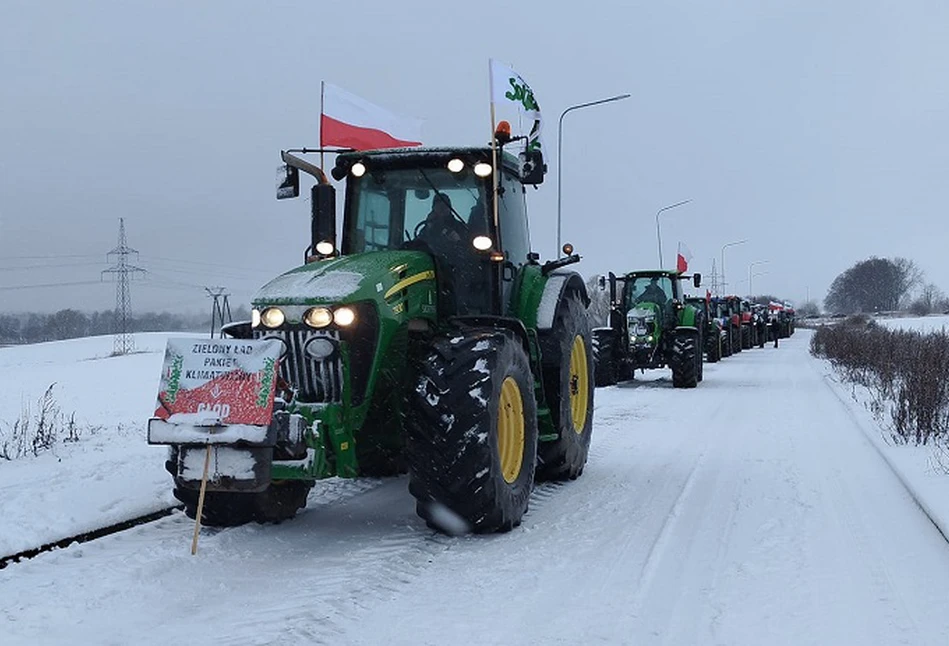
<point>906,373</point>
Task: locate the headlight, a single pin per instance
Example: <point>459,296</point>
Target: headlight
<point>456,165</point>
<point>318,317</point>
<point>320,348</point>
<point>255,317</point>
<point>272,317</point>
<point>325,248</point>
<point>482,169</point>
<point>344,316</point>
<point>358,169</point>
<point>482,243</point>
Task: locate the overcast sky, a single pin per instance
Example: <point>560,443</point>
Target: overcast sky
<point>816,130</point>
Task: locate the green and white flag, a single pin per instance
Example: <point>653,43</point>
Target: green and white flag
<point>509,89</point>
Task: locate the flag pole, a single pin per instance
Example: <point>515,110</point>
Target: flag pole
<point>494,150</point>
<point>322,92</point>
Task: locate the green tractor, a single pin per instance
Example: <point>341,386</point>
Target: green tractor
<point>428,339</point>
<point>711,328</point>
<point>650,326</point>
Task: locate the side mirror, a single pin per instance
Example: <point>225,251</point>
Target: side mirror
<point>697,280</point>
<point>601,283</point>
<point>533,167</point>
<point>322,219</point>
<point>612,278</point>
<point>288,182</point>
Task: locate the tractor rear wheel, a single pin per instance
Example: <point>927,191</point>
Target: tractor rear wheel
<point>604,370</point>
<point>684,373</point>
<point>471,432</point>
<point>746,337</point>
<point>569,385</point>
<point>714,352</point>
<point>734,336</point>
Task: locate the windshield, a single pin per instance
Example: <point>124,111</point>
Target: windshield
<point>389,207</point>
<point>653,289</point>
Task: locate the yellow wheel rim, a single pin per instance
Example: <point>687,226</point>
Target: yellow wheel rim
<point>510,430</point>
<point>579,384</point>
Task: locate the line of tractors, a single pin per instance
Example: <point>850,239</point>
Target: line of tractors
<point>428,338</point>
<point>651,323</point>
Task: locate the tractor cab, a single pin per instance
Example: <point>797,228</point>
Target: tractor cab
<point>440,201</point>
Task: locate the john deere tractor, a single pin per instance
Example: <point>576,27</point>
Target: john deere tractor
<point>650,326</point>
<point>427,338</point>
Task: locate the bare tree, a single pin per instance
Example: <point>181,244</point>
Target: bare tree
<point>873,285</point>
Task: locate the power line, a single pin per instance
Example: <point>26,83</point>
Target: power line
<point>71,284</point>
<point>205,264</point>
<point>204,273</point>
<point>50,257</point>
<point>57,266</point>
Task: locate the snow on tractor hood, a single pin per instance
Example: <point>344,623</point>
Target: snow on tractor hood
<point>348,278</point>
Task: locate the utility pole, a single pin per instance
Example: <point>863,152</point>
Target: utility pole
<point>220,309</point>
<point>123,271</point>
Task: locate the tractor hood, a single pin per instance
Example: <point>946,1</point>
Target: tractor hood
<point>347,279</point>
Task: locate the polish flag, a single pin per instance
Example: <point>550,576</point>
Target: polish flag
<point>350,121</point>
<point>683,258</point>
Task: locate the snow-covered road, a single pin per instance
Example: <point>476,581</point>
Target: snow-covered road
<point>752,510</point>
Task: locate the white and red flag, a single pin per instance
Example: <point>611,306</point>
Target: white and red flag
<point>683,258</point>
<point>349,121</point>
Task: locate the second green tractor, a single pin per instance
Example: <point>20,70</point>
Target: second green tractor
<point>650,326</point>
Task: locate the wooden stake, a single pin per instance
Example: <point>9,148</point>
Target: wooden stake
<point>197,515</point>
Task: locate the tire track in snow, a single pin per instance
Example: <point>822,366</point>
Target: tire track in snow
<point>359,557</point>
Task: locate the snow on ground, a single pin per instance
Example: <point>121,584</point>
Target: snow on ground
<point>755,509</point>
<point>111,474</point>
<point>934,323</point>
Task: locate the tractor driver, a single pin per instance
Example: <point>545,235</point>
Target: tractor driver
<point>653,293</point>
<point>448,239</point>
<point>441,225</point>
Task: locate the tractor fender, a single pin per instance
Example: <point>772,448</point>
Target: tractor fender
<point>686,329</point>
<point>558,285</point>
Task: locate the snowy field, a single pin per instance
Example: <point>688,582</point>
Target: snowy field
<point>760,508</point>
<point>922,323</point>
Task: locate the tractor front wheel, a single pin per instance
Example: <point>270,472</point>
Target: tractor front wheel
<point>278,502</point>
<point>684,371</point>
<point>471,432</point>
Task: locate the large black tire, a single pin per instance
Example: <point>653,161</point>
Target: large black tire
<point>713,351</point>
<point>699,362</point>
<point>735,339</point>
<point>278,502</point>
<point>746,337</point>
<point>471,432</point>
<point>569,386</point>
<point>604,368</point>
<point>682,362</point>
<point>726,344</point>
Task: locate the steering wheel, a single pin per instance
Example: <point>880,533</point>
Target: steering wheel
<point>419,228</point>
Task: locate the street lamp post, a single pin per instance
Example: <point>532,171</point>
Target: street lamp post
<point>757,262</point>
<point>658,234</point>
<point>728,244</point>
<point>619,97</point>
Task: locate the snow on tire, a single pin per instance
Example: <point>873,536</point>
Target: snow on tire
<point>471,432</point>
<point>569,384</point>
<point>684,371</point>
